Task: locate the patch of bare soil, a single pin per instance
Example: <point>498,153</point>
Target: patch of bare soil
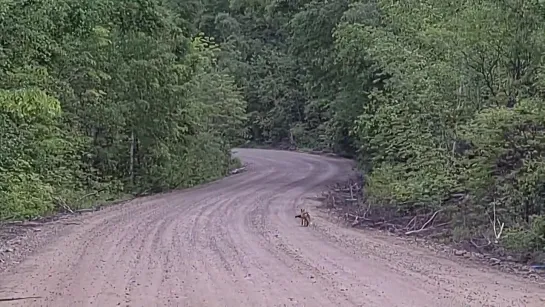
<point>235,242</point>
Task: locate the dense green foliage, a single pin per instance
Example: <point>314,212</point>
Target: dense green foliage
<point>441,102</point>
<point>101,97</point>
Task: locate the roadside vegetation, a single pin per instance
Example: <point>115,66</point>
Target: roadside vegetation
<point>440,102</point>
<point>102,98</point>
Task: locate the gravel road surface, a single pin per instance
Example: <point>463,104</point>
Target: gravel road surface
<point>235,242</point>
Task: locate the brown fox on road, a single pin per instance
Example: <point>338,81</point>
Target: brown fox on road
<point>305,217</point>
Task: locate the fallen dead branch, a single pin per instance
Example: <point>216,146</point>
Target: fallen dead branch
<point>237,170</point>
<point>427,229</point>
<point>413,220</point>
<point>87,195</point>
<point>481,246</point>
<point>61,203</point>
<point>356,219</point>
<point>425,224</point>
<point>367,210</point>
<point>87,210</point>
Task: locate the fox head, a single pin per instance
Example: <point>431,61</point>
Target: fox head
<point>302,210</point>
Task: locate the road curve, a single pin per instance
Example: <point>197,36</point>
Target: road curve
<point>236,243</point>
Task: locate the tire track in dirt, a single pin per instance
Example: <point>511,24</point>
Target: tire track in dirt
<point>236,242</point>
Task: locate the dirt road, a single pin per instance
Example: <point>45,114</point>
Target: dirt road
<point>236,243</point>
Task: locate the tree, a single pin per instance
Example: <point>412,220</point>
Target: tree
<point>101,98</point>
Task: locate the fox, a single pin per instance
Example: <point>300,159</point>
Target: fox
<point>305,217</point>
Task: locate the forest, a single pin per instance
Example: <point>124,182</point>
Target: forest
<point>441,102</point>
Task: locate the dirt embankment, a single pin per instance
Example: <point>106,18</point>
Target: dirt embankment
<point>236,242</point>
<point>346,203</point>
